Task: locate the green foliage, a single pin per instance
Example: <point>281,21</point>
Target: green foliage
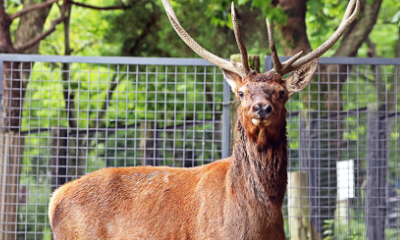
<point>385,33</point>
<point>328,225</point>
<point>11,5</point>
<point>219,11</point>
<point>120,32</point>
<point>144,30</point>
<point>87,31</point>
<point>271,12</point>
<point>351,229</point>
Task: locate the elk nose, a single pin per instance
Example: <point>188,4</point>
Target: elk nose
<point>262,110</point>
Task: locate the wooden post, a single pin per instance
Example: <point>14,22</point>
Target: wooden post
<point>298,207</point>
<point>254,63</point>
<point>310,161</point>
<point>12,147</point>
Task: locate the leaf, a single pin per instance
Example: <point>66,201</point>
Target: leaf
<point>274,13</point>
<point>242,2</point>
<point>314,7</point>
<point>396,18</point>
<point>229,23</point>
<point>18,2</point>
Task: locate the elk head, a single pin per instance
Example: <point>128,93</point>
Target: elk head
<point>263,96</point>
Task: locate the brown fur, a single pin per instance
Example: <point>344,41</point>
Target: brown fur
<point>235,198</point>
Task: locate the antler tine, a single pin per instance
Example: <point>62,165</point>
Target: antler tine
<point>349,16</point>
<point>220,62</point>
<point>239,41</point>
<point>286,64</point>
<point>274,54</point>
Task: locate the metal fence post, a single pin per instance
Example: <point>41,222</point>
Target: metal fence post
<point>2,181</point>
<point>226,127</point>
<point>268,63</point>
<point>1,89</point>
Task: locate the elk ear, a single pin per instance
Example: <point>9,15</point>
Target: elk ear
<point>232,79</point>
<point>301,77</point>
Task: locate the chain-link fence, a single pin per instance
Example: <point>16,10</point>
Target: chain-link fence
<point>63,117</point>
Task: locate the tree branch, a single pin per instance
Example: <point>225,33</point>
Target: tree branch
<point>146,31</point>
<point>371,48</point>
<point>66,21</point>
<point>2,5</point>
<point>32,8</point>
<point>397,52</point>
<point>96,7</point>
<point>54,23</point>
<point>69,96</point>
<point>113,85</point>
<point>118,127</point>
<point>112,128</point>
<point>43,35</point>
<point>359,30</point>
<point>379,84</point>
<point>84,46</point>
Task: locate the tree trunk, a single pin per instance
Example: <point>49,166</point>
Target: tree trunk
<point>359,30</point>
<point>321,161</point>
<point>294,34</point>
<point>379,132</point>
<point>59,161</point>
<point>6,45</point>
<point>316,158</point>
<point>148,144</point>
<point>11,146</point>
<point>10,155</point>
<point>11,160</point>
<point>397,52</point>
<point>30,25</point>
<point>14,87</point>
<point>310,161</point>
<point>377,163</point>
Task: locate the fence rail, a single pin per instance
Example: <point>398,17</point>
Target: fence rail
<point>63,117</point>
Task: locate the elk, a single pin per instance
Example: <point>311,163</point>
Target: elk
<point>239,197</point>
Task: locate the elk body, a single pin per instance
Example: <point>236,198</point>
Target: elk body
<point>235,198</point>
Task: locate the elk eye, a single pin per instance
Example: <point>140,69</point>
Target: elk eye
<point>281,94</point>
<point>241,94</point>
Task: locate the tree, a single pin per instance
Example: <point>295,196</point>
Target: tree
<point>152,35</point>
<point>27,38</point>
<point>291,18</point>
<point>380,126</point>
<point>142,29</point>
<point>321,164</point>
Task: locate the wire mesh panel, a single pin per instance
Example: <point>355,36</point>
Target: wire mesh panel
<point>344,135</point>
<point>77,117</point>
<point>64,117</point>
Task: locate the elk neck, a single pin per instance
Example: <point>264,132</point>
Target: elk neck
<point>260,170</point>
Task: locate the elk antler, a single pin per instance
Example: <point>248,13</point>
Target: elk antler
<point>238,36</point>
<point>295,61</point>
<point>220,62</point>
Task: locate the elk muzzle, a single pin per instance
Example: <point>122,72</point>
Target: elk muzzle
<point>260,112</point>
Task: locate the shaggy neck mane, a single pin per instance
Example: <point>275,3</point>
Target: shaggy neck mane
<point>262,168</point>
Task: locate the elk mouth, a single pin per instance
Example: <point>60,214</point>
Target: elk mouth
<point>260,121</point>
